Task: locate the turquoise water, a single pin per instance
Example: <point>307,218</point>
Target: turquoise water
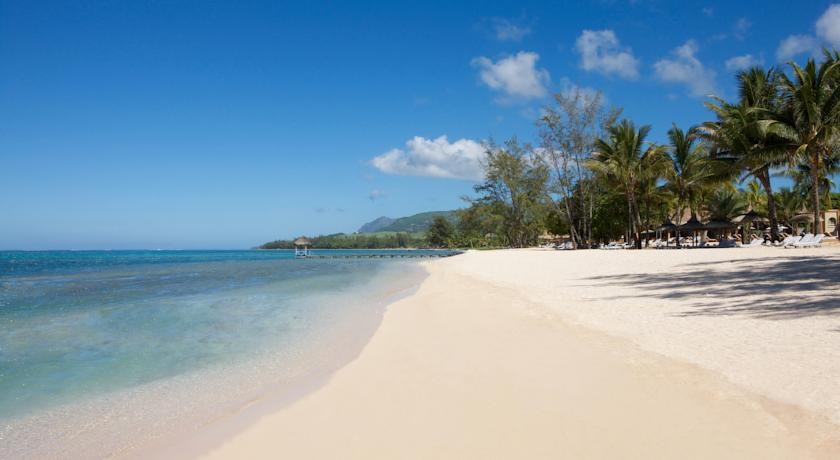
<point>78,324</point>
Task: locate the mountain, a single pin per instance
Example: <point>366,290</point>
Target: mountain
<point>411,224</point>
<point>376,225</point>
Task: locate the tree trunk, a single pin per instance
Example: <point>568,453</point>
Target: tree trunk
<point>636,218</point>
<point>763,176</point>
<point>572,231</point>
<point>680,211</point>
<point>815,190</point>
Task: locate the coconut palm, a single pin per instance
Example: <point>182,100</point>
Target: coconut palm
<point>742,134</point>
<point>690,169</point>
<point>810,117</point>
<point>626,161</point>
<point>803,180</point>
<point>791,203</point>
<point>724,205</point>
<point>754,195</point>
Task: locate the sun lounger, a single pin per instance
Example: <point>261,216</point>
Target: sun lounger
<point>788,240</point>
<point>805,239</point>
<point>814,242</point>
<point>754,243</point>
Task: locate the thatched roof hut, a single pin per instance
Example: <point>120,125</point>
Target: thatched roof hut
<point>303,241</point>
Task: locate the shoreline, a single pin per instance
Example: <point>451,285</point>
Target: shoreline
<point>461,366</point>
<point>136,421</point>
<point>212,433</point>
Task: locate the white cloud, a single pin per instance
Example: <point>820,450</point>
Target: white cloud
<point>685,68</point>
<point>795,45</point>
<point>434,158</point>
<point>516,76</point>
<point>600,51</point>
<point>828,25</point>
<point>742,27</point>
<point>742,62</point>
<point>508,31</point>
<point>376,194</point>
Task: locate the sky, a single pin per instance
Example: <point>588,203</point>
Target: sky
<point>225,124</point>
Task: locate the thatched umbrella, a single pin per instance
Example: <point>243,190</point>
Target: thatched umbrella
<point>748,219</point>
<point>666,227</point>
<point>802,219</point>
<point>693,225</point>
<point>721,225</point>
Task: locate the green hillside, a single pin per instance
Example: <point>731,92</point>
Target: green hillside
<point>417,223</point>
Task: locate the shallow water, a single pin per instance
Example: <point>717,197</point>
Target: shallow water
<point>88,338</point>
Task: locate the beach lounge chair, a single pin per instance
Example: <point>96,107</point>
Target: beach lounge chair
<point>790,243</point>
<point>786,241</point>
<point>814,242</point>
<point>807,238</point>
<point>754,243</point>
<point>727,244</point>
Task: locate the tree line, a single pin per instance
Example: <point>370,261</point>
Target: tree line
<point>596,176</point>
<point>357,241</point>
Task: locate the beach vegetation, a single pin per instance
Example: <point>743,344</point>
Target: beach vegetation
<point>440,233</point>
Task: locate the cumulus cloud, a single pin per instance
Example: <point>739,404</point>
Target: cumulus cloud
<point>685,68</point>
<point>516,76</point>
<point>434,158</point>
<point>506,30</point>
<point>828,25</point>
<point>600,51</point>
<point>795,45</point>
<point>742,62</point>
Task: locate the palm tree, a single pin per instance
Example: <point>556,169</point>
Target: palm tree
<point>626,160</point>
<point>803,180</point>
<point>754,194</point>
<point>725,205</point>
<point>791,203</point>
<point>810,118</point>
<point>742,133</point>
<point>689,171</point>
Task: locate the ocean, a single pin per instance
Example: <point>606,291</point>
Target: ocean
<point>102,351</point>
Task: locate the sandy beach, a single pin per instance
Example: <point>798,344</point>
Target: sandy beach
<point>581,354</point>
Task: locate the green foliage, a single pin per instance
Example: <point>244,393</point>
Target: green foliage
<point>440,232</point>
<point>383,240</point>
<point>514,191</point>
<point>625,161</point>
<point>725,205</point>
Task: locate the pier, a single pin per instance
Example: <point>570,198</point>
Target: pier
<point>381,256</point>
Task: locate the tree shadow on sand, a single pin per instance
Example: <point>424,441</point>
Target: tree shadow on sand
<point>772,288</point>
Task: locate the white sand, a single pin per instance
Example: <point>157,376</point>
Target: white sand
<point>707,354</point>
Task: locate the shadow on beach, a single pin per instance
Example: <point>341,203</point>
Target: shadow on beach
<point>771,288</point>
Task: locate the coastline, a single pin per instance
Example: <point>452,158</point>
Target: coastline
<point>482,362</point>
<point>136,421</point>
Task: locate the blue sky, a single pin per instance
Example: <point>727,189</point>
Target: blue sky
<point>209,124</point>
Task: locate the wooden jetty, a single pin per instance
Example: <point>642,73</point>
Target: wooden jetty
<point>381,256</point>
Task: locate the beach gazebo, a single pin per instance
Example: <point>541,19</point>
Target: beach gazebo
<point>746,224</point>
<point>667,228</point>
<point>802,220</point>
<point>302,246</point>
<point>722,225</point>
<point>693,225</point>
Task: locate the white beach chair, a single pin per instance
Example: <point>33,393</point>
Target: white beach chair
<point>756,242</point>
<point>786,241</point>
<point>807,238</point>
<point>794,239</point>
<point>814,242</point>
